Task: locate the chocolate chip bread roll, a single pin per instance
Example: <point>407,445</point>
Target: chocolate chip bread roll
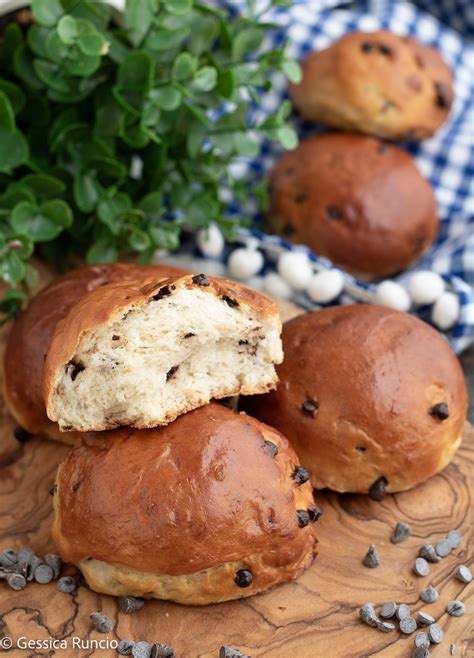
<point>142,353</point>
<point>31,333</point>
<point>378,83</point>
<point>212,507</point>
<point>356,200</point>
<point>373,400</point>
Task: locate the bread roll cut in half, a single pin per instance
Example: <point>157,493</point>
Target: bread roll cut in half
<point>31,333</point>
<point>141,354</point>
<point>372,399</point>
<point>210,508</point>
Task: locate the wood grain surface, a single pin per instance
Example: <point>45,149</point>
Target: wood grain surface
<point>314,617</point>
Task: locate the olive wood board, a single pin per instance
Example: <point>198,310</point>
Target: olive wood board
<point>315,616</point>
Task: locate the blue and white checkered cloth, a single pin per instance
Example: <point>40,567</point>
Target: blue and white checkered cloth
<point>447,159</point>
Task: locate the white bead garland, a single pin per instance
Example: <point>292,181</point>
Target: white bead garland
<point>210,241</point>
<point>275,285</point>
<point>392,294</point>
<point>425,287</point>
<point>445,312</point>
<point>244,263</point>
<point>325,286</point>
<point>295,269</point>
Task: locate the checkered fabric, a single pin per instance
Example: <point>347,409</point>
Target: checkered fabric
<point>447,159</point>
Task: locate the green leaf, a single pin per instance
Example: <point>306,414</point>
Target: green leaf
<point>167,98</point>
<point>135,79</point>
<point>12,39</point>
<point>165,235</point>
<point>13,268</point>
<point>194,139</point>
<point>7,116</point>
<point>14,94</point>
<point>139,16</point>
<point>118,51</point>
<point>15,193</point>
<point>205,79</point>
<point>58,211</point>
<point>23,65</point>
<point>86,192</point>
<point>14,150</point>
<point>287,137</point>
<point>138,239</point>
<point>48,72</point>
<point>43,223</point>
<point>178,7</point>
<point>183,66</point>
<point>47,12</point>
<point>226,83</point>
<point>247,42</point>
<point>77,63</point>
<point>292,70</point>
<point>36,39</point>
<point>161,40</point>
<point>91,43</point>
<point>43,185</point>
<point>67,29</point>
<point>56,49</point>
<point>101,252</point>
<point>109,210</point>
<point>152,204</point>
<point>246,145</point>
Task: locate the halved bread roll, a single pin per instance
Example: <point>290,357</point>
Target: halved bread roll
<point>142,353</point>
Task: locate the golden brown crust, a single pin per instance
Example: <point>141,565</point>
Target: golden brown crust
<point>31,333</point>
<point>102,304</point>
<point>157,503</point>
<point>378,83</point>
<point>356,200</point>
<point>374,375</point>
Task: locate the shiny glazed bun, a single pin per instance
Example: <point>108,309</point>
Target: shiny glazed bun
<point>210,508</point>
<point>29,338</point>
<point>370,398</point>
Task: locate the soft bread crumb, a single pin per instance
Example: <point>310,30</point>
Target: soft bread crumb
<point>148,365</point>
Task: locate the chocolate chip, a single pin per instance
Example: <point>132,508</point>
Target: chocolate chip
<point>443,100</point>
<point>403,611</point>
<point>443,547</point>
<point>31,567</point>
<point>303,517</point>
<point>16,581</point>
<point>101,622</point>
<point>141,650</point>
<point>243,578</point>
<point>440,411</point>
<point>300,198</point>
<point>115,337</point>
<point>361,448</point>
<point>124,647</point>
<point>422,640</point>
<point>372,557</point>
<point>67,584</point>
<point>385,626</point>
<point>201,280</point>
<point>333,212</point>
<point>385,50</point>
<point>73,368</point>
<point>300,475</point>
<point>163,292</point>
<point>271,448</point>
<point>43,574</point>
<point>55,562</point>
<point>230,652</point>
<point>401,532</point>
<point>189,335</point>
<point>428,552</point>
<point>367,46</point>
<point>421,652</point>
<point>171,372</point>
<point>129,604</point>
<point>230,301</point>
<point>377,490</point>
<point>21,434</point>
<point>454,538</point>
<point>314,513</point>
<point>429,594</point>
<point>435,634</point>
<point>463,573</point>
<point>456,608</point>
<point>424,619</point>
<point>162,651</point>
<point>8,558</point>
<point>367,614</point>
<point>53,490</point>
<point>407,625</point>
<point>388,609</point>
<point>310,407</point>
<point>76,486</point>
<point>421,567</point>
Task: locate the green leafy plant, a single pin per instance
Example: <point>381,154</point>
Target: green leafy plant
<point>116,135</point>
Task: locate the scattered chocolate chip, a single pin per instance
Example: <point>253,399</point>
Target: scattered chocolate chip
<point>271,448</point>
<point>73,368</point>
<point>407,625</point>
<point>43,574</point>
<point>300,475</point>
<point>230,652</point>
<point>16,581</point>
<point>401,532</point>
<point>333,212</point>
<point>67,584</point>
<point>76,486</point>
<point>429,594</point>
<point>421,567</point>
<point>303,517</point>
<point>378,489</point>
<point>443,100</point>
<point>428,552</point>
<point>403,611</point>
<point>171,372</point>
<point>372,558</point>
<point>310,407</point>
<point>435,634</point>
<point>31,568</point>
<point>300,198</point>
<point>443,547</point>
<point>124,647</point>
<point>422,640</point>
<point>189,335</point>
<point>162,651</point>
<point>421,652</point>
<point>163,292</point>
<point>101,622</point>
<point>141,650</point>
<point>385,626</point>
<point>8,558</point>
<point>440,411</point>
<point>367,46</point>
<point>361,448</point>
<point>454,538</point>
<point>201,280</point>
<point>424,619</point>
<point>315,513</point>
<point>463,574</point>
<point>367,614</point>
<point>129,604</point>
<point>452,649</point>
<point>230,301</point>
<point>243,342</point>
<point>385,50</point>
<point>456,608</point>
<point>53,490</point>
<point>388,609</point>
<point>25,555</point>
<point>243,578</point>
<point>55,562</point>
<point>21,434</point>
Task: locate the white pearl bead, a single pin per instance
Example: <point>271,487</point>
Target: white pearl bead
<point>210,241</point>
<point>445,312</point>
<point>275,285</point>
<point>393,295</point>
<point>325,286</point>
<point>425,287</point>
<point>244,263</point>
<point>295,268</point>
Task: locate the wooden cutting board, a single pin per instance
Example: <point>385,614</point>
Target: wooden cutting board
<point>314,617</point>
